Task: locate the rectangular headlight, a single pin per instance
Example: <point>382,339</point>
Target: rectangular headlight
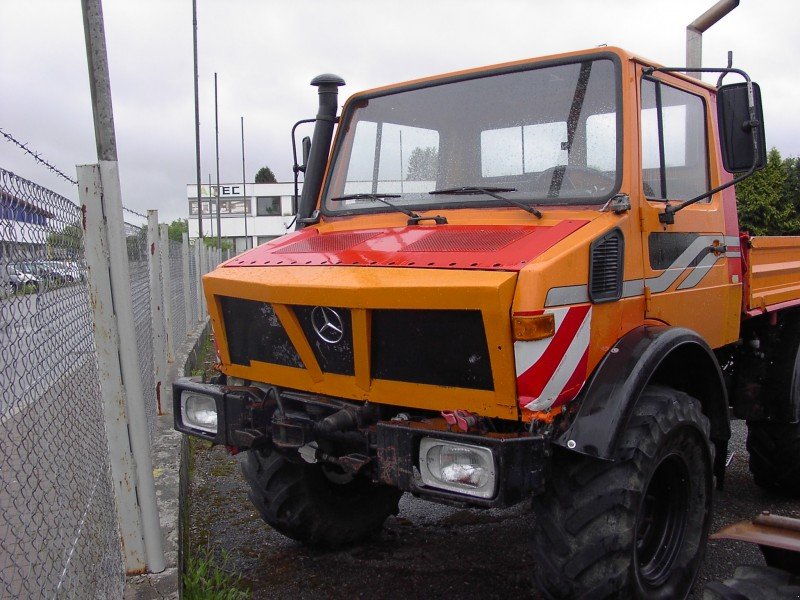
<point>199,411</point>
<point>457,467</point>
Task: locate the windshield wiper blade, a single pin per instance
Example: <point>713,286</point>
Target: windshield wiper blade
<point>413,218</point>
<point>494,192</point>
<point>379,198</point>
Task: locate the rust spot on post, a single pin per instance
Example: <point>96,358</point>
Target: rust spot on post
<point>152,249</point>
<point>158,398</point>
<point>83,216</point>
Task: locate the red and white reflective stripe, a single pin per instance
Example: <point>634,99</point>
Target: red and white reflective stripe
<point>552,371</point>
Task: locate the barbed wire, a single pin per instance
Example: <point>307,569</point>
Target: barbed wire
<point>133,212</point>
<point>37,157</point>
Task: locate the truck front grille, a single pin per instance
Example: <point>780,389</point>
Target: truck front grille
<point>434,347</point>
<point>254,332</point>
<point>438,347</point>
<point>334,351</point>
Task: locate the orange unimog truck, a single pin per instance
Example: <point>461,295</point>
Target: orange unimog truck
<point>519,282</point>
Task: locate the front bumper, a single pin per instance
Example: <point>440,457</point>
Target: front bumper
<point>387,451</point>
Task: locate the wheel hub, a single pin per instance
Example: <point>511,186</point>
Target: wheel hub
<point>662,520</point>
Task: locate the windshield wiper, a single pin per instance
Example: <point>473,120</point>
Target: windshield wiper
<point>413,218</point>
<point>494,192</point>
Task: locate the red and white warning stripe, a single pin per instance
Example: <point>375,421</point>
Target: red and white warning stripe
<point>552,371</point>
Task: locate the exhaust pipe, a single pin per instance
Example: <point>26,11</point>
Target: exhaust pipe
<point>328,85</point>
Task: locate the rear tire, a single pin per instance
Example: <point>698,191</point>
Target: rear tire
<point>300,501</point>
<point>775,456</point>
<point>754,583</point>
<point>635,527</point>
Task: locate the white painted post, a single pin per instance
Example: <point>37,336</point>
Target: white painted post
<point>166,282</point>
<point>115,336</point>
<point>186,289</point>
<point>157,308</point>
<point>118,368</point>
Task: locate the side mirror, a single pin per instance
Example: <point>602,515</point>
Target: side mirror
<point>740,138</point>
<point>306,152</point>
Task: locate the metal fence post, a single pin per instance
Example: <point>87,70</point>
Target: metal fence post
<point>166,282</point>
<point>187,289</point>
<point>156,306</point>
<point>118,368</point>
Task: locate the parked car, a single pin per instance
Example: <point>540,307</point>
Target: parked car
<point>13,279</point>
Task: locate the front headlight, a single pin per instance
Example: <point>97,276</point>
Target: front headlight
<point>199,411</point>
<point>457,467</point>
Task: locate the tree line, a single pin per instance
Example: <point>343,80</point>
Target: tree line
<point>769,201</point>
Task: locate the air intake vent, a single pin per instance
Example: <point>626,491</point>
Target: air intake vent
<point>606,267</point>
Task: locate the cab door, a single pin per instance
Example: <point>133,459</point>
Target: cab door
<point>686,277</point>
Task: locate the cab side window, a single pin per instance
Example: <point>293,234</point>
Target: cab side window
<point>674,147</point>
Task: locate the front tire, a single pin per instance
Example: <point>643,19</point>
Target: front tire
<point>635,527</point>
<point>304,503</point>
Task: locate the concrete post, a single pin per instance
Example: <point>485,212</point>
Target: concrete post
<point>157,308</point>
<point>118,363</point>
<point>166,282</point>
<point>187,289</point>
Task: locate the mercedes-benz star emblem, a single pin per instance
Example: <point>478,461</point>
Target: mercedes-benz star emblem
<point>327,324</point>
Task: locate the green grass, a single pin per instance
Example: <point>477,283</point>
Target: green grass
<point>206,577</point>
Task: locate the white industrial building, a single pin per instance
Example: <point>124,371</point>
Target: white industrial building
<point>268,209</point>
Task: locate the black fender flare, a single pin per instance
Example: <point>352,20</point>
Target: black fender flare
<point>644,355</point>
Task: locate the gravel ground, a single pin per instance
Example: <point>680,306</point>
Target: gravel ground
<point>428,550</point>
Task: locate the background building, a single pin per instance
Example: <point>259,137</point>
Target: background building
<point>268,208</point>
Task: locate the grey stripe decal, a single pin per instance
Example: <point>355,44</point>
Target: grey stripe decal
<point>699,271</point>
<point>732,240</point>
<point>632,287</point>
<point>576,294</point>
<point>670,275</point>
<point>570,294</point>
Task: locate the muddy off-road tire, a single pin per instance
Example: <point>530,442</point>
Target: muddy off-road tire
<point>304,503</point>
<point>775,456</point>
<point>635,527</point>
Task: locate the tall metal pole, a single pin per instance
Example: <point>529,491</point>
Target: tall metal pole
<point>401,161</point>
<point>109,286</point>
<point>695,29</point>
<point>197,123</point>
<point>211,220</point>
<point>244,193</point>
<point>216,135</point>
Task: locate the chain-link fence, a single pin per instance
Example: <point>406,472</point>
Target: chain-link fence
<point>58,534</point>
<point>139,271</point>
<point>176,293</point>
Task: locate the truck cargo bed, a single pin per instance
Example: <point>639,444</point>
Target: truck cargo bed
<point>773,274</point>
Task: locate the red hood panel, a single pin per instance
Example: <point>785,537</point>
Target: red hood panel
<point>497,247</point>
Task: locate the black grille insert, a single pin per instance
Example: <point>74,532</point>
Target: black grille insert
<point>437,347</point>
<point>333,355</point>
<point>255,333</point>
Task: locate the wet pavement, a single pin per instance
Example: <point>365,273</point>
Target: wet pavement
<point>428,550</point>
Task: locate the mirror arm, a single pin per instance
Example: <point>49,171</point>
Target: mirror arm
<point>668,216</point>
<point>295,167</point>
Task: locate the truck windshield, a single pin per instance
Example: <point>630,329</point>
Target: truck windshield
<point>550,134</point>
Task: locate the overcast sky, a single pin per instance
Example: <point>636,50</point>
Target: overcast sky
<point>267,52</point>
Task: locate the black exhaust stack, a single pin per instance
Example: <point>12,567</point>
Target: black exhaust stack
<point>320,145</point>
